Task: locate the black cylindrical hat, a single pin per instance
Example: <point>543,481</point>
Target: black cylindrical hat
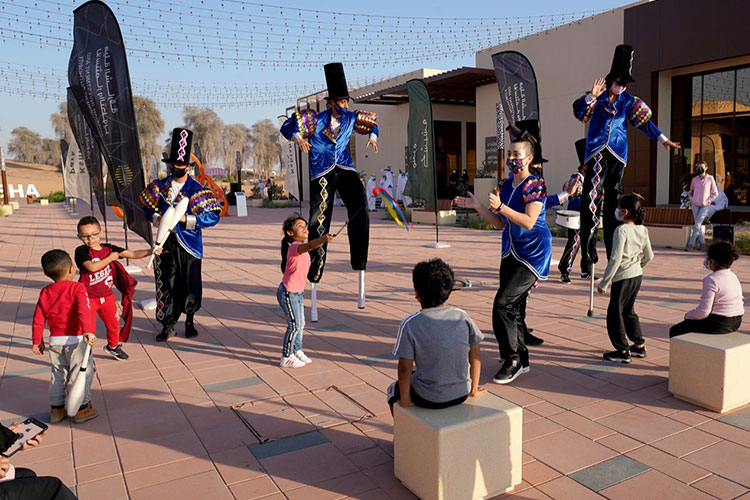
<point>622,64</point>
<point>336,81</point>
<point>179,151</point>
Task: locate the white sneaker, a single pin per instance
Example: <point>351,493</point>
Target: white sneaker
<point>291,362</point>
<point>303,357</point>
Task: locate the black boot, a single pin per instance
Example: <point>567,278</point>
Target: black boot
<point>167,332</point>
<point>190,330</point>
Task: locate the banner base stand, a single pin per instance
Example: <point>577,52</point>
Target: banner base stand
<point>437,245</point>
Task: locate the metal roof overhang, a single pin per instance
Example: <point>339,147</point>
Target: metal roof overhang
<point>452,87</point>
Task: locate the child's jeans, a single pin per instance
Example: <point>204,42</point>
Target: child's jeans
<point>622,321</point>
<point>66,363</point>
<point>292,303</point>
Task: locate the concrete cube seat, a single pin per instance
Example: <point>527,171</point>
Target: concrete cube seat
<point>710,370</point>
<point>466,452</point>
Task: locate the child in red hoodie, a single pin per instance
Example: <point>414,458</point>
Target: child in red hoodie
<point>64,306</point>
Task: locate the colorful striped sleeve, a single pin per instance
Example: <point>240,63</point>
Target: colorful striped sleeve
<point>534,189</point>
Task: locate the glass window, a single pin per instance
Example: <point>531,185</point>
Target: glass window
<point>711,118</point>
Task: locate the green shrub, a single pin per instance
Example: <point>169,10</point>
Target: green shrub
<point>56,197</point>
<point>279,203</point>
<point>742,242</point>
<point>475,222</point>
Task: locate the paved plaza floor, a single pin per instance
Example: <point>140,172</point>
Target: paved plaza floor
<point>185,419</point>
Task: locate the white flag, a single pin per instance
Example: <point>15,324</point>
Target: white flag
<point>289,164</point>
<point>75,175</point>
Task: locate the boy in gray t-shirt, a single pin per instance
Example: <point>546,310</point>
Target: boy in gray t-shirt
<point>443,341</point>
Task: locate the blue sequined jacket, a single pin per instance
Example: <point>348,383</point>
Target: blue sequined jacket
<point>327,149</point>
<point>203,210</point>
<point>608,123</point>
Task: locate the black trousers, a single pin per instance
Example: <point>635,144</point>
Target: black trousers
<point>609,171</point>
<point>570,252</point>
<point>622,321</point>
<point>713,323</point>
<point>178,282</point>
<point>515,282</point>
<point>352,193</point>
<point>27,486</point>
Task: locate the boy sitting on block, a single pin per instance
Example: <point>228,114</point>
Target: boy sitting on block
<point>442,340</point>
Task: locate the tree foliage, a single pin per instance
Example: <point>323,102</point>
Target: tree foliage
<point>236,137</point>
<point>208,132</point>
<point>150,126</point>
<point>266,151</point>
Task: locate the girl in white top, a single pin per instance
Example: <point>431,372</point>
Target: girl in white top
<point>721,306</point>
<point>631,251</point>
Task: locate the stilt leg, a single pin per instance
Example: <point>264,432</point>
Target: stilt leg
<point>591,291</point>
<point>361,298</point>
<point>314,307</point>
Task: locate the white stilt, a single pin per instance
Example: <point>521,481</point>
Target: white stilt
<point>361,298</point>
<point>314,307</point>
<point>591,291</point>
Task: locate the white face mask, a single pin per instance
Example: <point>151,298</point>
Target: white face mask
<point>617,215</point>
<point>617,89</point>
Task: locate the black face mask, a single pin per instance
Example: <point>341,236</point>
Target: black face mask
<point>178,170</point>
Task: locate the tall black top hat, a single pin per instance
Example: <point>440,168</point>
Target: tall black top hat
<point>581,150</point>
<point>519,130</point>
<point>622,64</point>
<point>179,151</point>
<point>336,81</point>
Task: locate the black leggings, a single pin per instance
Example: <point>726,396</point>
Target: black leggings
<point>713,323</point>
<point>27,486</point>
<point>352,193</point>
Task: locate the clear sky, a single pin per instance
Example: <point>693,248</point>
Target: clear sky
<point>249,60</point>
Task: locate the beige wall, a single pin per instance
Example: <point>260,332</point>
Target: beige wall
<point>392,121</point>
<point>566,61</point>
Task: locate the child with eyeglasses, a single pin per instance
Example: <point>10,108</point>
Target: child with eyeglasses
<point>94,260</point>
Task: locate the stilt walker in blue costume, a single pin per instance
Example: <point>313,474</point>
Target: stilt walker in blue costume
<point>325,136</point>
<point>178,269</point>
<point>608,108</point>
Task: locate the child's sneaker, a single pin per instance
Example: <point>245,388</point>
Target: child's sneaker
<point>638,352</point>
<point>56,414</point>
<point>291,362</point>
<point>85,414</point>
<point>116,352</point>
<point>303,357</point>
<point>617,356</point>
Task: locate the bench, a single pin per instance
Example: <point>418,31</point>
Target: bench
<point>466,452</point>
<point>672,226</point>
<point>711,371</point>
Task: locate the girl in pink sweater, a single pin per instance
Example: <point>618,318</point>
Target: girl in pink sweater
<point>721,306</point>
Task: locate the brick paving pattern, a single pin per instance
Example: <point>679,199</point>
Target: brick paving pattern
<point>174,418</point>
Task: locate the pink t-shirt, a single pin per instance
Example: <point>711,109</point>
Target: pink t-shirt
<point>297,266</point>
<point>704,190</point>
<point>722,295</point>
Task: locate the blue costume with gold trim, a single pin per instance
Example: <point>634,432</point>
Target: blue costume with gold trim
<point>332,170</point>
<point>329,149</point>
<point>203,210</point>
<point>608,123</point>
<point>177,272</point>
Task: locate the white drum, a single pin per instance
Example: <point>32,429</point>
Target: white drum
<point>568,218</point>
